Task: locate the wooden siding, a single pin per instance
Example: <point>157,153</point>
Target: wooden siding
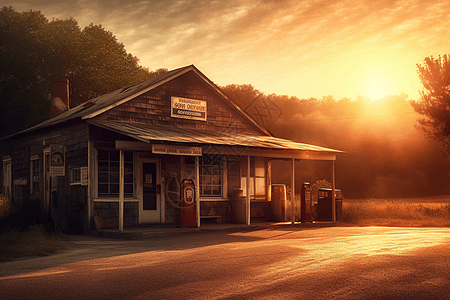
<point>215,208</point>
<point>171,172</point>
<point>234,177</point>
<point>74,137</point>
<point>110,210</point>
<point>153,107</point>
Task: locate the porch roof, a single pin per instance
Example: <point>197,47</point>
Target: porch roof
<point>149,133</point>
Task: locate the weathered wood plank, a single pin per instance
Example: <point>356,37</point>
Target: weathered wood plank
<point>153,107</point>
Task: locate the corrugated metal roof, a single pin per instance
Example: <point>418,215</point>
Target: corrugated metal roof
<point>148,133</point>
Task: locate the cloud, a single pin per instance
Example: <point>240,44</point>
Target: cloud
<point>278,45</point>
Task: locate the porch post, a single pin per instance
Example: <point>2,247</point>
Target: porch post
<point>90,184</point>
<point>269,181</point>
<point>293,192</point>
<point>197,192</point>
<point>121,190</point>
<point>333,192</point>
<point>248,191</point>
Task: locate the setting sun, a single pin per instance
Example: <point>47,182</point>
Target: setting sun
<point>375,84</point>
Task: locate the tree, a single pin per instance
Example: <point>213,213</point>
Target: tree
<point>22,84</point>
<point>242,94</point>
<point>435,100</point>
<point>33,51</point>
<point>374,133</point>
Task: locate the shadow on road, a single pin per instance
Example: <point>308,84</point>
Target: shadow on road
<point>88,247</point>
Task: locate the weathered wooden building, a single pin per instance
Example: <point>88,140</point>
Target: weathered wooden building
<point>127,155</point>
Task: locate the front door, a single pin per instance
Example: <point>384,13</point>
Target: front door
<point>150,206</point>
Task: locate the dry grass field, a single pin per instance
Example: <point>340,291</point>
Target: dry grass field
<point>426,211</point>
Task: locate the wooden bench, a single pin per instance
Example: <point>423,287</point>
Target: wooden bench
<point>217,218</point>
<point>105,223</point>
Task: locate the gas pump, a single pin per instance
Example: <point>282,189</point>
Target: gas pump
<point>306,205</point>
<point>188,207</point>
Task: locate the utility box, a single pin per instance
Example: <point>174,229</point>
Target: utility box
<point>306,203</point>
<point>325,205</point>
<point>278,203</point>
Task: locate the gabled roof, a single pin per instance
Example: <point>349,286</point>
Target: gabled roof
<point>101,104</point>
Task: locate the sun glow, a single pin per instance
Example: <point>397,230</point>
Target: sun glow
<point>375,84</point>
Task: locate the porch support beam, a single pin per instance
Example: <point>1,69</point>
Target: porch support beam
<point>248,192</point>
<point>333,192</point>
<point>272,153</point>
<point>121,189</point>
<point>293,192</point>
<point>197,191</point>
<point>91,180</point>
<point>241,151</point>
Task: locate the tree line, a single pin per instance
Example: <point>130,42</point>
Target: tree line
<point>34,50</point>
<point>387,154</point>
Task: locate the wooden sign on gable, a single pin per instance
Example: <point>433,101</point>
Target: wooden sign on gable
<point>188,109</point>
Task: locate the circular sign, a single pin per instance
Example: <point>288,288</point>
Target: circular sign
<point>188,195</point>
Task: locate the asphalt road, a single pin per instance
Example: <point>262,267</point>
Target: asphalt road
<point>282,263</point>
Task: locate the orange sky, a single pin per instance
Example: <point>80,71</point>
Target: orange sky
<point>299,48</point>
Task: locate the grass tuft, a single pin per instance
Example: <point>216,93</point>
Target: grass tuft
<point>6,206</point>
<point>34,241</point>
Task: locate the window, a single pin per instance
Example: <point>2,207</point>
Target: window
<point>34,174</point>
<point>75,176</point>
<point>257,177</point>
<point>108,173</point>
<point>210,175</point>
<point>258,168</point>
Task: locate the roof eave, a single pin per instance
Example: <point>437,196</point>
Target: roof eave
<point>153,86</point>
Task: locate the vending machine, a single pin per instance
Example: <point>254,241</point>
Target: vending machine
<point>306,203</point>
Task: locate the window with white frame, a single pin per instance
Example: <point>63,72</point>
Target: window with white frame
<point>257,177</point>
<point>259,174</point>
<point>108,162</point>
<point>211,175</point>
<point>75,176</point>
<point>34,174</point>
<point>78,176</point>
<point>210,169</point>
